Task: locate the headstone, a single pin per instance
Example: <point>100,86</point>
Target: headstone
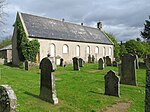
<point>147,96</point>
<point>104,58</point>
<point>89,59</point>
<point>76,63</point>
<point>112,84</point>
<point>61,62</point>
<point>47,85</point>
<point>26,65</point>
<point>128,69</point>
<point>81,62</point>
<point>100,64</point>
<point>108,61</point>
<point>137,62</point>
<point>93,59</point>
<point>8,100</point>
<point>115,64</point>
<point>119,69</point>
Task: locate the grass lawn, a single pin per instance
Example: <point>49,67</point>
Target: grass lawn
<point>77,91</point>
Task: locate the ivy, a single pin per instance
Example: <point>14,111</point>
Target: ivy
<point>27,50</point>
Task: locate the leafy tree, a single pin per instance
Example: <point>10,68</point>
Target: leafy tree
<point>116,45</point>
<point>123,50</point>
<point>5,42</point>
<point>135,47</point>
<point>146,33</point>
<point>146,48</point>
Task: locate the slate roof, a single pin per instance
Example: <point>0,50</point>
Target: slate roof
<point>41,27</point>
<point>9,47</point>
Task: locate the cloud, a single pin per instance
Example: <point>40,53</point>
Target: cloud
<point>123,18</point>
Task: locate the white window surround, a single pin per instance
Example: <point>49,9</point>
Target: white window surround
<point>65,49</point>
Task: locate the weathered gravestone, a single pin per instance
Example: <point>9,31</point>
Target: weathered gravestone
<point>137,61</point>
<point>108,61</point>
<point>47,85</point>
<point>89,59</point>
<point>119,69</point>
<point>112,84</point>
<point>93,59</point>
<point>115,64</point>
<point>81,62</point>
<point>128,69</point>
<point>100,64</point>
<point>61,62</point>
<point>26,65</point>
<point>147,96</point>
<point>75,63</point>
<point>8,100</point>
<point>104,58</point>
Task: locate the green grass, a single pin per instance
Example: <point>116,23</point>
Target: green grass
<point>77,91</point>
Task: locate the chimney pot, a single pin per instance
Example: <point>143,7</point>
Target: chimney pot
<point>82,24</point>
<point>99,25</point>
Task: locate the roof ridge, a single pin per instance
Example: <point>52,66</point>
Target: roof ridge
<point>58,20</point>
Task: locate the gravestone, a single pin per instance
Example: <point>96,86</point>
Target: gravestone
<point>115,64</point>
<point>147,96</point>
<point>93,59</point>
<point>81,62</point>
<point>100,64</point>
<point>8,100</point>
<point>47,85</point>
<point>26,65</point>
<point>119,69</point>
<point>112,84</point>
<point>61,62</point>
<point>104,58</point>
<point>137,62</point>
<point>108,61</point>
<point>75,63</point>
<point>128,69</point>
<point>89,59</point>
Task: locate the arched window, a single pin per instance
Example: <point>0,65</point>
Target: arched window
<point>110,51</point>
<point>96,50</point>
<point>65,49</point>
<point>77,50</point>
<point>52,50</point>
<point>104,51</point>
<point>88,49</point>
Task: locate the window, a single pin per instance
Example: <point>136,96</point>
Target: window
<point>65,49</point>
<point>110,51</point>
<point>52,50</point>
<point>96,50</point>
<point>77,50</point>
<point>88,50</point>
<point>104,51</point>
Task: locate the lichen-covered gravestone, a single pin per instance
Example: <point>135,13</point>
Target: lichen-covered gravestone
<point>75,63</point>
<point>128,69</point>
<point>100,64</point>
<point>112,84</point>
<point>81,62</point>
<point>147,96</point>
<point>93,59</point>
<point>108,61</point>
<point>26,65</point>
<point>137,61</point>
<point>89,59</point>
<point>47,85</point>
<point>61,62</point>
<point>8,100</point>
<point>115,64</point>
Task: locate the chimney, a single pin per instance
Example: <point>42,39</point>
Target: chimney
<point>82,24</point>
<point>99,25</point>
<point>63,20</point>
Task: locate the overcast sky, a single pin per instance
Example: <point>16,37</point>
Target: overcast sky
<point>123,18</point>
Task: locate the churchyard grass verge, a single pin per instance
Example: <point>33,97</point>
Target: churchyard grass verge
<point>77,91</point>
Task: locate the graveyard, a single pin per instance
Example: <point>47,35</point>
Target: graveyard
<point>77,91</point>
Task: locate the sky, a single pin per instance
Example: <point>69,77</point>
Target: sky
<point>122,18</point>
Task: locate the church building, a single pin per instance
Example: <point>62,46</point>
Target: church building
<point>61,39</point>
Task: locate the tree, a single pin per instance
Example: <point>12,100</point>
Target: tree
<point>5,42</point>
<point>123,50</point>
<point>116,45</point>
<point>135,47</point>
<point>146,33</point>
